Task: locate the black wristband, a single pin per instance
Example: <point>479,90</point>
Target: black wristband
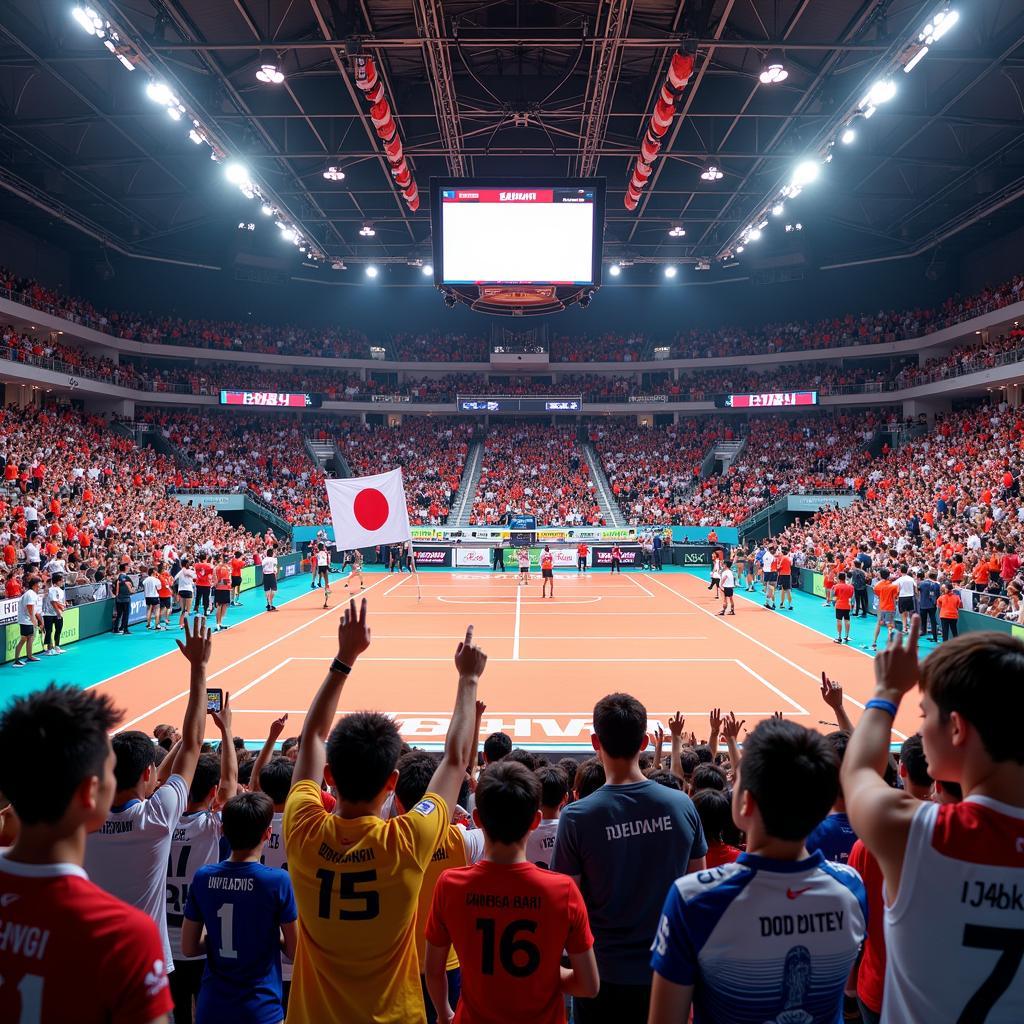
<point>340,667</point>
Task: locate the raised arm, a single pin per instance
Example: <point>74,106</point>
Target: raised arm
<point>353,639</point>
<point>658,740</point>
<point>881,816</point>
<point>460,742</point>
<point>228,755</point>
<point>675,727</point>
<point>832,695</point>
<point>715,724</point>
<point>731,731</point>
<point>197,649</point>
<point>264,756</point>
<point>481,707</point>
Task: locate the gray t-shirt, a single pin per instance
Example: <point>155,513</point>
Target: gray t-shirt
<point>627,845</point>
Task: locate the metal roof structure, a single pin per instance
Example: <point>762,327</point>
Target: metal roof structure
<point>530,87</point>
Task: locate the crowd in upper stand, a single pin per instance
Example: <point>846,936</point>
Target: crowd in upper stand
<point>339,342</point>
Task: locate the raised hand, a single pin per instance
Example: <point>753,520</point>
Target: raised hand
<point>659,736</point>
<point>776,716</point>
<point>353,633</point>
<point>831,692</point>
<point>896,668</point>
<point>715,716</point>
<point>198,646</point>
<point>731,727</point>
<point>675,724</point>
<point>277,726</point>
<point>222,718</point>
<point>469,659</point>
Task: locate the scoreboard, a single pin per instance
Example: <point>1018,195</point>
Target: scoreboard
<point>486,404</point>
<point>272,399</point>
<point>767,400</point>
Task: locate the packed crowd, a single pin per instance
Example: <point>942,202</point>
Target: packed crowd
<point>535,469</point>
<point>80,501</point>
<point>834,332</point>
<point>342,876</point>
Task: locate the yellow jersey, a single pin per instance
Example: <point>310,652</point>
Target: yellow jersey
<point>357,882</point>
<point>459,848</point>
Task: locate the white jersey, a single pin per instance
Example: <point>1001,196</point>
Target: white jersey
<point>540,843</point>
<point>53,594</point>
<point>767,561</point>
<point>728,579</point>
<point>274,856</point>
<point>269,565</point>
<point>906,585</point>
<point>128,855</point>
<point>186,580</point>
<point>955,933</point>
<point>195,842</point>
<point>151,586</point>
<point>321,559</point>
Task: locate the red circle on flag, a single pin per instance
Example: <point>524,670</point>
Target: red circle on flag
<point>371,509</point>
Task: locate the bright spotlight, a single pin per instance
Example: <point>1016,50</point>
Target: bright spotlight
<point>371,270</point>
<point>159,93</point>
<point>289,235</point>
<point>174,113</point>
<point>271,74</point>
<point>740,248</point>
<point>195,136</point>
<point>806,171</point>
<point>237,174</point>
<point>711,173</point>
<point>615,270</point>
<point>849,136</point>
<point>778,209</point>
<point>881,92</point>
<point>677,231</point>
<point>670,272</point>
<point>367,230</point>
<point>334,173</point>
<point>753,234</point>
<point>84,17</point>
<point>773,71</point>
<point>267,210</point>
<point>426,270</point>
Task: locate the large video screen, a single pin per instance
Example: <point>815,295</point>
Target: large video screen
<point>769,400</point>
<point>517,231</point>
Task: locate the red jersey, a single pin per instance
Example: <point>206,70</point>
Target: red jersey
<point>71,952</point>
<point>237,565</point>
<point>204,574</point>
<point>721,853</point>
<point>546,560</point>
<point>166,582</point>
<point>509,924</point>
<point>842,592</point>
<point>223,577</point>
<point>785,566</point>
<point>871,973</point>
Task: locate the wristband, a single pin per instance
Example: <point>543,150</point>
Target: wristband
<point>342,669</point>
<point>882,705</point>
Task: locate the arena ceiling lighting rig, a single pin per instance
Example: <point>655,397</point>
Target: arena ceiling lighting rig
<point>808,171</point>
<point>94,21</point>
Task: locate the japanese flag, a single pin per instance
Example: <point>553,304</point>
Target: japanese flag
<point>368,510</point>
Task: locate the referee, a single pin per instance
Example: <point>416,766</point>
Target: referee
<point>498,557</point>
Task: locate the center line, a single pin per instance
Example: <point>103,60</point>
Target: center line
<point>515,636</point>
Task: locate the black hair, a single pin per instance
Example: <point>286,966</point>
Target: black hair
<point>793,775</point>
<point>207,776</point>
<point>913,759</point>
<point>689,759</point>
<point>589,777</point>
<point>708,776</point>
<point>245,820</point>
<point>620,722</point>
<point>569,766</point>
<point>715,810</point>
<point>554,786</point>
<point>667,779</point>
<point>362,751</point>
<point>291,741</point>
<point>134,753</point>
<point>524,757</point>
<point>276,778</point>
<point>497,746</point>
<point>507,800</point>
<point>415,770</point>
<point>61,732</point>
<point>705,755</point>
<point>245,772</point>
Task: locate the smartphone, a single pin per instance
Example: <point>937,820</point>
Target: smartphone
<point>214,701</point>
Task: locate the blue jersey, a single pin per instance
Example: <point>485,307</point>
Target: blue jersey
<point>834,837</point>
<point>929,593</point>
<point>763,941</point>
<point>243,907</point>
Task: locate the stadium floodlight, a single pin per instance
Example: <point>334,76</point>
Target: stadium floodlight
<point>711,172</point>
<point>670,271</point>
<point>367,230</point>
<point>334,173</point>
<point>158,92</point>
<point>338,265</point>
<point>427,269</point>
<point>89,20</point>
<point>939,26</point>
<point>289,235</point>
<point>805,172</point>
<point>778,209</point>
<point>881,92</point>
<point>371,270</point>
<point>849,135</point>
<point>677,231</point>
<point>125,62</point>
<point>270,74</point>
<point>237,174</point>
<point>915,60</point>
<point>753,234</point>
<point>773,71</point>
<point>195,136</point>
<point>267,210</point>
<point>615,270</point>
<point>740,248</point>
<point>762,224</point>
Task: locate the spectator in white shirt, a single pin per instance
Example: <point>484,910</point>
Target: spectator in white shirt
<point>54,603</point>
<point>29,619</point>
<point>554,794</point>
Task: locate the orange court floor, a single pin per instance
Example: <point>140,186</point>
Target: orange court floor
<point>655,635</point>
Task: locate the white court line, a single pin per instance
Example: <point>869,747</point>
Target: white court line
<point>472,601</point>
<point>763,646</point>
<point>543,609</point>
<point>501,636</point>
<point>515,639</point>
<point>396,586</point>
<point>235,664</point>
<point>640,585</point>
<point>568,661</point>
<point>771,686</point>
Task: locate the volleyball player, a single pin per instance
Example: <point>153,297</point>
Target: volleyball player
<point>313,565</point>
<point>728,581</point>
<point>185,578</point>
<point>954,873</point>
<point>750,565</point>
<point>617,559</point>
<point>547,572</point>
<point>581,557</point>
<point>151,591</point>
<point>716,574</point>
<point>843,593</point>
<point>269,566</point>
<point>523,558</point>
<point>785,579</point>
<point>204,585</point>
<point>237,564</point>
<point>355,569</point>
<point>323,567</point>
<point>768,561</point>
<point>221,590</point>
<point>165,593</point>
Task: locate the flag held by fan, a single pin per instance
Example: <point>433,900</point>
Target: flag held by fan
<point>369,510</point>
